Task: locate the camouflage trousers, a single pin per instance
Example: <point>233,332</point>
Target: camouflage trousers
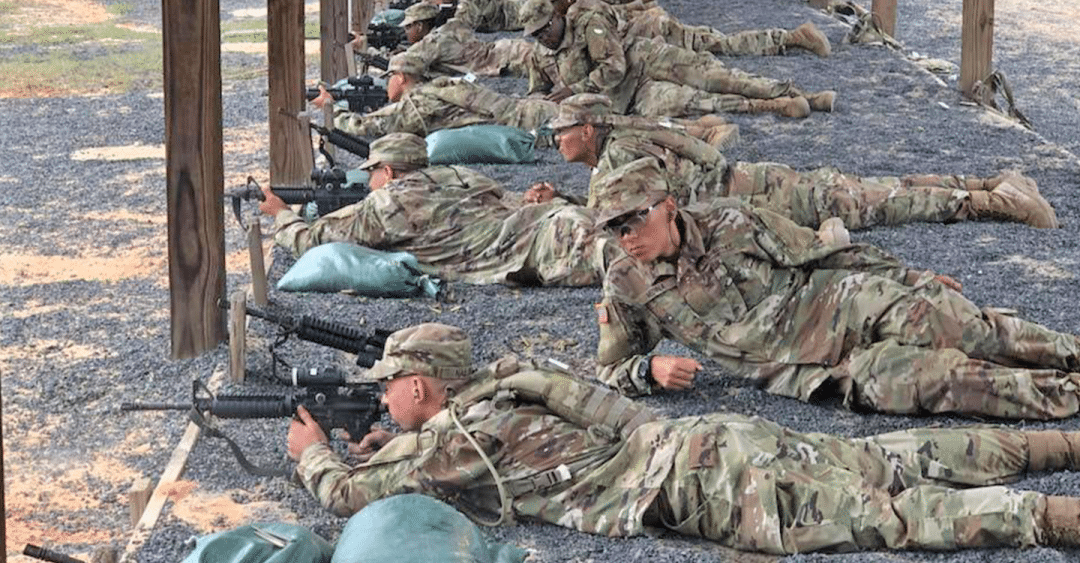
<point>666,99</point>
<point>810,197</point>
<point>928,348</point>
<point>502,57</point>
<point>656,60</point>
<point>763,487</point>
<point>656,22</point>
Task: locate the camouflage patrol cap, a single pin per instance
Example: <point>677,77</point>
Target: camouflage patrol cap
<point>630,187</point>
<point>535,14</point>
<point>405,64</point>
<point>431,349</point>
<point>397,149</point>
<point>419,12</point>
<point>580,109</point>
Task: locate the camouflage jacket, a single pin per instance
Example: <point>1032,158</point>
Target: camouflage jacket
<point>461,226</point>
<point>557,470</point>
<point>446,103</point>
<point>591,57</point>
<point>453,49</point>
<point>695,170</point>
<point>490,16</point>
<point>750,289</point>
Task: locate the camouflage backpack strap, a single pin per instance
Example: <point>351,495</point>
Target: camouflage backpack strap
<point>583,403</point>
<point>687,147</point>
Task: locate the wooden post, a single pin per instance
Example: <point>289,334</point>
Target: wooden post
<point>885,13</point>
<point>334,35</point>
<point>362,12</point>
<point>238,336</point>
<point>290,140</point>
<point>194,173</point>
<point>258,264</point>
<point>138,496</point>
<point>977,46</point>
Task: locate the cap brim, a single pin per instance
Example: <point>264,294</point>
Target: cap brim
<point>369,164</point>
<point>382,371</point>
<point>562,123</point>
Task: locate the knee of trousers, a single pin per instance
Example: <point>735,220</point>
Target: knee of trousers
<point>907,379</point>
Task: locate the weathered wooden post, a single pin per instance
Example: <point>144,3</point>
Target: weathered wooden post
<point>290,140</point>
<point>194,173</point>
<point>334,35</point>
<point>885,14</point>
<point>977,47</point>
<point>362,12</point>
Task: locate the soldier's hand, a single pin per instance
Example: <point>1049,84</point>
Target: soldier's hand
<point>271,204</point>
<point>559,94</point>
<point>370,443</point>
<point>323,98</point>
<point>949,282</point>
<point>303,432</point>
<point>540,192</point>
<point>673,372</point>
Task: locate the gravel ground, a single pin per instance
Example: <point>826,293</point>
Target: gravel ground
<point>83,346</point>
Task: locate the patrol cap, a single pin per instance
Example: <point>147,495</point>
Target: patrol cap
<point>580,109</point>
<point>535,14</point>
<point>430,349</point>
<point>630,187</point>
<point>419,12</point>
<point>403,149</point>
<point>405,64</point>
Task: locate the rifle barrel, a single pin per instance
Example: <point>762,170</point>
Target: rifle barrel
<point>154,406</point>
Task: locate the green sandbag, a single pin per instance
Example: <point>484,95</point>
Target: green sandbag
<point>481,144</point>
<point>342,266</point>
<point>415,528</point>
<point>393,16</point>
<point>245,545</point>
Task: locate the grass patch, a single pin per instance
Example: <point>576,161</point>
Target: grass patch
<point>87,59</point>
<point>7,8</point>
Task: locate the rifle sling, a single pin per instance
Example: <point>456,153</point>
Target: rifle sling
<point>200,421</point>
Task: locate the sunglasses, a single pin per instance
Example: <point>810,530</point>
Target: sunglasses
<point>629,223</point>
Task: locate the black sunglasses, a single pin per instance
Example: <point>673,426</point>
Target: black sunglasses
<point>629,223</point>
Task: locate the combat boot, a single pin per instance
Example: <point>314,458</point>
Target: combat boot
<point>722,136</point>
<point>821,101</point>
<point>787,107</point>
<point>1014,200</point>
<point>808,36</point>
<point>832,232</point>
<point>1053,450</point>
<point>1059,521</point>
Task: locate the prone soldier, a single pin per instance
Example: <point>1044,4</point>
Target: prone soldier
<point>584,51</point>
<point>458,223</point>
<point>589,133</point>
<point>768,301</point>
<point>509,440</point>
<point>453,48</point>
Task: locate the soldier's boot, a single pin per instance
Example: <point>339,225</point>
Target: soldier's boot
<point>1013,201</point>
<point>1053,450</point>
<point>808,36</point>
<point>821,101</point>
<point>1057,521</point>
<point>710,120</point>
<point>797,106</point>
<point>722,136</point>
<point>832,232</point>
<point>953,181</point>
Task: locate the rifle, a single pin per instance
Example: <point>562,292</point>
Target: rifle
<point>332,402</point>
<point>362,97</point>
<point>328,194</point>
<point>385,35</point>
<point>367,347</point>
<point>339,138</point>
<point>43,554</point>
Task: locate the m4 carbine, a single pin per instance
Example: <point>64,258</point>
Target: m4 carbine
<point>362,94</point>
<point>367,347</point>
<point>332,402</point>
<point>328,193</point>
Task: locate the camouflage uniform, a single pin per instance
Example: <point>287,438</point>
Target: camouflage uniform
<point>742,481</point>
<point>595,57</point>
<point>696,171</point>
<point>653,21</point>
<point>446,103</point>
<point>768,301</point>
<point>454,49</point>
<point>489,16</point>
<point>461,226</point>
